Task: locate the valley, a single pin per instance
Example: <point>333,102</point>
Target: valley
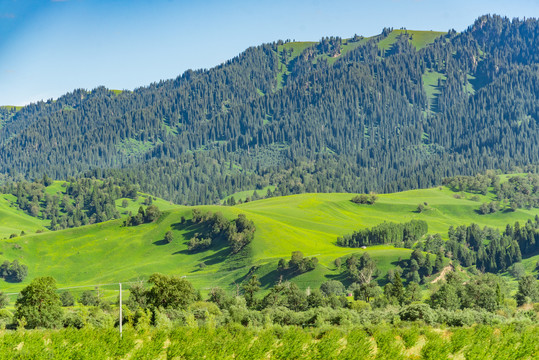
<point>108,252</point>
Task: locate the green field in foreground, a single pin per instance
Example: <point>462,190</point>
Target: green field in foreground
<point>276,342</point>
<point>108,253</point>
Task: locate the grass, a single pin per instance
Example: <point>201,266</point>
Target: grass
<point>11,107</point>
<point>469,88</point>
<point>108,253</point>
<point>135,147</point>
<point>242,195</point>
<point>420,39</point>
<point>297,48</point>
<point>358,340</point>
<point>13,220</point>
<point>347,46</point>
<point>430,84</point>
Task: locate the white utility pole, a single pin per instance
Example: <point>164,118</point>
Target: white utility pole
<point>120,309</point>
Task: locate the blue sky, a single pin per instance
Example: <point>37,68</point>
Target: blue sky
<point>50,47</point>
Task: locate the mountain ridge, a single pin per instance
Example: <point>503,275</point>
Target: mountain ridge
<point>371,119</point>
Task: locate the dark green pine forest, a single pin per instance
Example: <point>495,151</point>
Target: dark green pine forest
<point>323,120</point>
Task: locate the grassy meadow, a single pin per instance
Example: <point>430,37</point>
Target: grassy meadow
<point>13,221</point>
<point>420,39</point>
<point>109,253</point>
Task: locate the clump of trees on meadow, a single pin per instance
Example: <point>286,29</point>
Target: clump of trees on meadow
<point>13,271</point>
<point>238,233</point>
<point>298,263</point>
<point>486,248</point>
<point>386,233</point>
<point>151,214</point>
<point>516,192</point>
<point>368,199</point>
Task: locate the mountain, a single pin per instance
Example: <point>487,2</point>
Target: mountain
<point>396,111</point>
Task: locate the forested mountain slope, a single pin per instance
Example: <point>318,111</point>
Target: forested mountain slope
<point>340,115</point>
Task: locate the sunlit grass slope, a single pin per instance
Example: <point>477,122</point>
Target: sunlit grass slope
<point>13,221</point>
<point>243,195</point>
<point>420,39</point>
<point>294,49</point>
<point>107,252</point>
<point>312,222</point>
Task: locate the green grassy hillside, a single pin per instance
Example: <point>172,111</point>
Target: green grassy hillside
<point>419,39</point>
<point>295,48</point>
<point>107,252</point>
<point>13,221</point>
<point>243,195</point>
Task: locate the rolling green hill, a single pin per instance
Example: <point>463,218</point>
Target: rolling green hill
<point>107,252</point>
<point>13,221</point>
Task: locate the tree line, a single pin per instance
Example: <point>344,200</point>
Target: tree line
<point>519,191</point>
<point>78,202</point>
<point>386,233</point>
<point>455,300</point>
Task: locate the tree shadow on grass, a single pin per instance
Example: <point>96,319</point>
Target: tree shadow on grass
<point>248,275</point>
<point>190,229</point>
<point>275,276</point>
<point>221,248</point>
<point>271,278</point>
<point>342,277</point>
<point>480,81</point>
<point>217,257</point>
<point>160,242</point>
<point>435,103</point>
<point>183,252</point>
<point>507,210</point>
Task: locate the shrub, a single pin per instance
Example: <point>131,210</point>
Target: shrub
<point>89,298</point>
<point>365,199</point>
<point>414,312</point>
<point>74,319</point>
<point>39,304</point>
<point>13,272</point>
<point>6,317</point>
<point>101,319</point>
<point>67,299</point>
<point>359,305</point>
<point>4,301</point>
<point>169,237</point>
<point>332,287</point>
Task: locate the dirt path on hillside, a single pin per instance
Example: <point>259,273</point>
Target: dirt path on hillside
<point>444,271</point>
